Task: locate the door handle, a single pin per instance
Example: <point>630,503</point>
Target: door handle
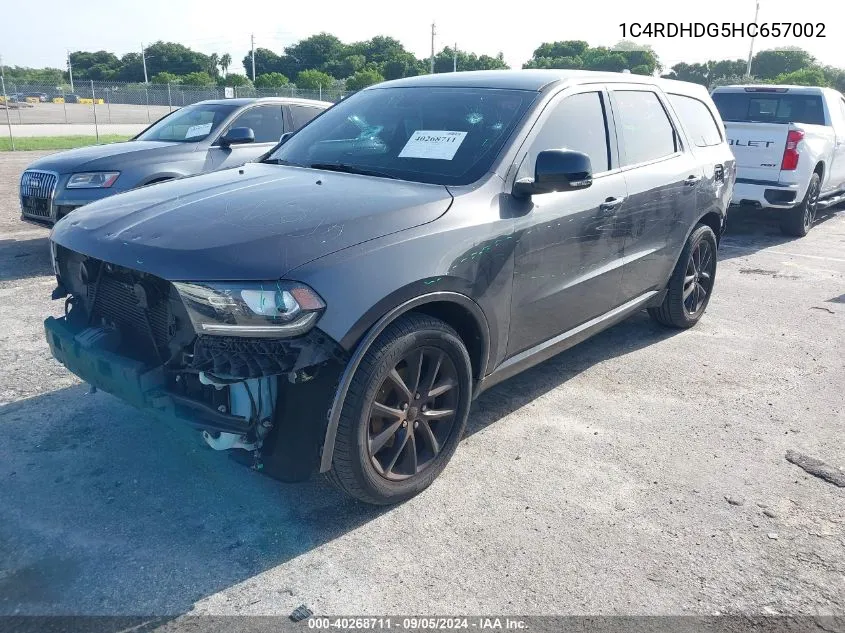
<point>691,180</point>
<point>610,204</point>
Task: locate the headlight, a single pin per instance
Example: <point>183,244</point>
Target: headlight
<point>271,309</point>
<point>53,257</point>
<point>92,180</point>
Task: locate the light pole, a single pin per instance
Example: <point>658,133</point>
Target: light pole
<point>433,32</point>
<point>70,71</point>
<point>751,48</point>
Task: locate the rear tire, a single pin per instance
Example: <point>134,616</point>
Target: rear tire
<point>691,283</point>
<point>798,221</point>
<point>394,435</point>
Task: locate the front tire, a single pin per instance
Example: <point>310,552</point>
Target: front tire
<point>798,221</point>
<point>405,412</point>
<point>691,283</point>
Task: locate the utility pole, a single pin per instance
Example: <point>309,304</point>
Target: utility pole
<point>70,70</point>
<point>432,47</point>
<point>252,43</point>
<point>751,49</point>
<point>144,61</point>
<point>455,58</point>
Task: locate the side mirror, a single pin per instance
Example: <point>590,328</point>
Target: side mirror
<point>284,137</point>
<point>238,136</point>
<point>556,170</point>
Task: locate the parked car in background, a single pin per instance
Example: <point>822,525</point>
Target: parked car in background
<point>336,306</point>
<point>206,136</point>
<point>41,96</point>
<point>789,143</point>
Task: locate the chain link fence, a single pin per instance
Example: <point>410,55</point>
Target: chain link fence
<point>114,107</point>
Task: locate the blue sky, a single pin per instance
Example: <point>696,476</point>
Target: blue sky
<point>38,33</point>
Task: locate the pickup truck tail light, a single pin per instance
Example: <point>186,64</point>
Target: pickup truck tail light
<point>790,152</point>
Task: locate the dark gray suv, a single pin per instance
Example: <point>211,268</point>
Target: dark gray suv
<point>202,137</point>
<point>337,306</point>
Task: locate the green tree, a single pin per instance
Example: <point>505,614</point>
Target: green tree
<point>363,78</point>
<point>235,80</point>
<point>771,63</point>
<point>444,61</point>
<point>315,51</point>
<point>131,68</point>
<point>98,65</point>
<point>225,62</point>
<point>346,67</point>
<point>313,80</point>
<point>804,77</point>
<point>266,61</point>
<point>202,79</point>
<point>23,74</point>
<point>710,73</point>
<point>165,78</point>
<point>213,65</point>
<point>174,58</point>
<point>271,80</point>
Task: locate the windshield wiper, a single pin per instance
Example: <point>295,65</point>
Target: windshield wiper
<point>280,161</point>
<point>351,169</point>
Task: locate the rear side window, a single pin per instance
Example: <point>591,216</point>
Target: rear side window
<point>646,131</point>
<point>770,107</point>
<point>697,119</point>
<point>302,114</point>
<point>577,123</point>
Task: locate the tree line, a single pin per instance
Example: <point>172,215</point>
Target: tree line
<point>324,61</point>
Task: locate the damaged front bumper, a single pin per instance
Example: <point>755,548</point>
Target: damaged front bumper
<point>287,427</point>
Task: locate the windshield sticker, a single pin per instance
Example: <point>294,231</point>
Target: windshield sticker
<point>434,144</point>
<point>198,130</point>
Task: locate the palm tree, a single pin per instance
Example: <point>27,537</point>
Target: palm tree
<point>225,62</point>
<point>213,63</point>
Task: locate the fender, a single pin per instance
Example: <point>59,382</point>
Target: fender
<point>367,341</point>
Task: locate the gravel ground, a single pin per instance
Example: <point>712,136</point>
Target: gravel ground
<point>596,483</point>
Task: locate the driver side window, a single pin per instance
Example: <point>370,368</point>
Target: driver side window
<point>266,121</point>
<point>577,123</point>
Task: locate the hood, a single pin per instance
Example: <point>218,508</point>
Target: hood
<point>109,156</point>
<point>253,223</point>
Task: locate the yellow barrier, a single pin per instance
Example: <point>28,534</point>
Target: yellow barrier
<point>33,100</point>
<point>90,101</point>
<point>58,99</point>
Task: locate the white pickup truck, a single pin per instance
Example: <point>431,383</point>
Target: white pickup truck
<point>789,144</point>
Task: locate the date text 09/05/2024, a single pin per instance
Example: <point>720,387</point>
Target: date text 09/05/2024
<point>723,29</point>
<point>416,623</point>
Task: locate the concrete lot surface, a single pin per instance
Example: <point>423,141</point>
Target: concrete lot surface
<point>83,113</point>
<point>70,129</point>
<point>596,483</point>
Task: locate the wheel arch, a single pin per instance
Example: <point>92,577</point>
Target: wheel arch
<point>456,309</point>
<point>715,221</point>
<point>157,178</point>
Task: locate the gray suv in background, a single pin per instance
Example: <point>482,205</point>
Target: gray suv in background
<point>198,138</point>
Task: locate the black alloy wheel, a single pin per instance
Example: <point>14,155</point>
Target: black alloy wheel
<point>691,284</point>
<point>698,281</point>
<point>413,413</point>
<point>405,411</point>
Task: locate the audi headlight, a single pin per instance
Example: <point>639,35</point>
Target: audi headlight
<point>271,309</point>
<point>92,180</point>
